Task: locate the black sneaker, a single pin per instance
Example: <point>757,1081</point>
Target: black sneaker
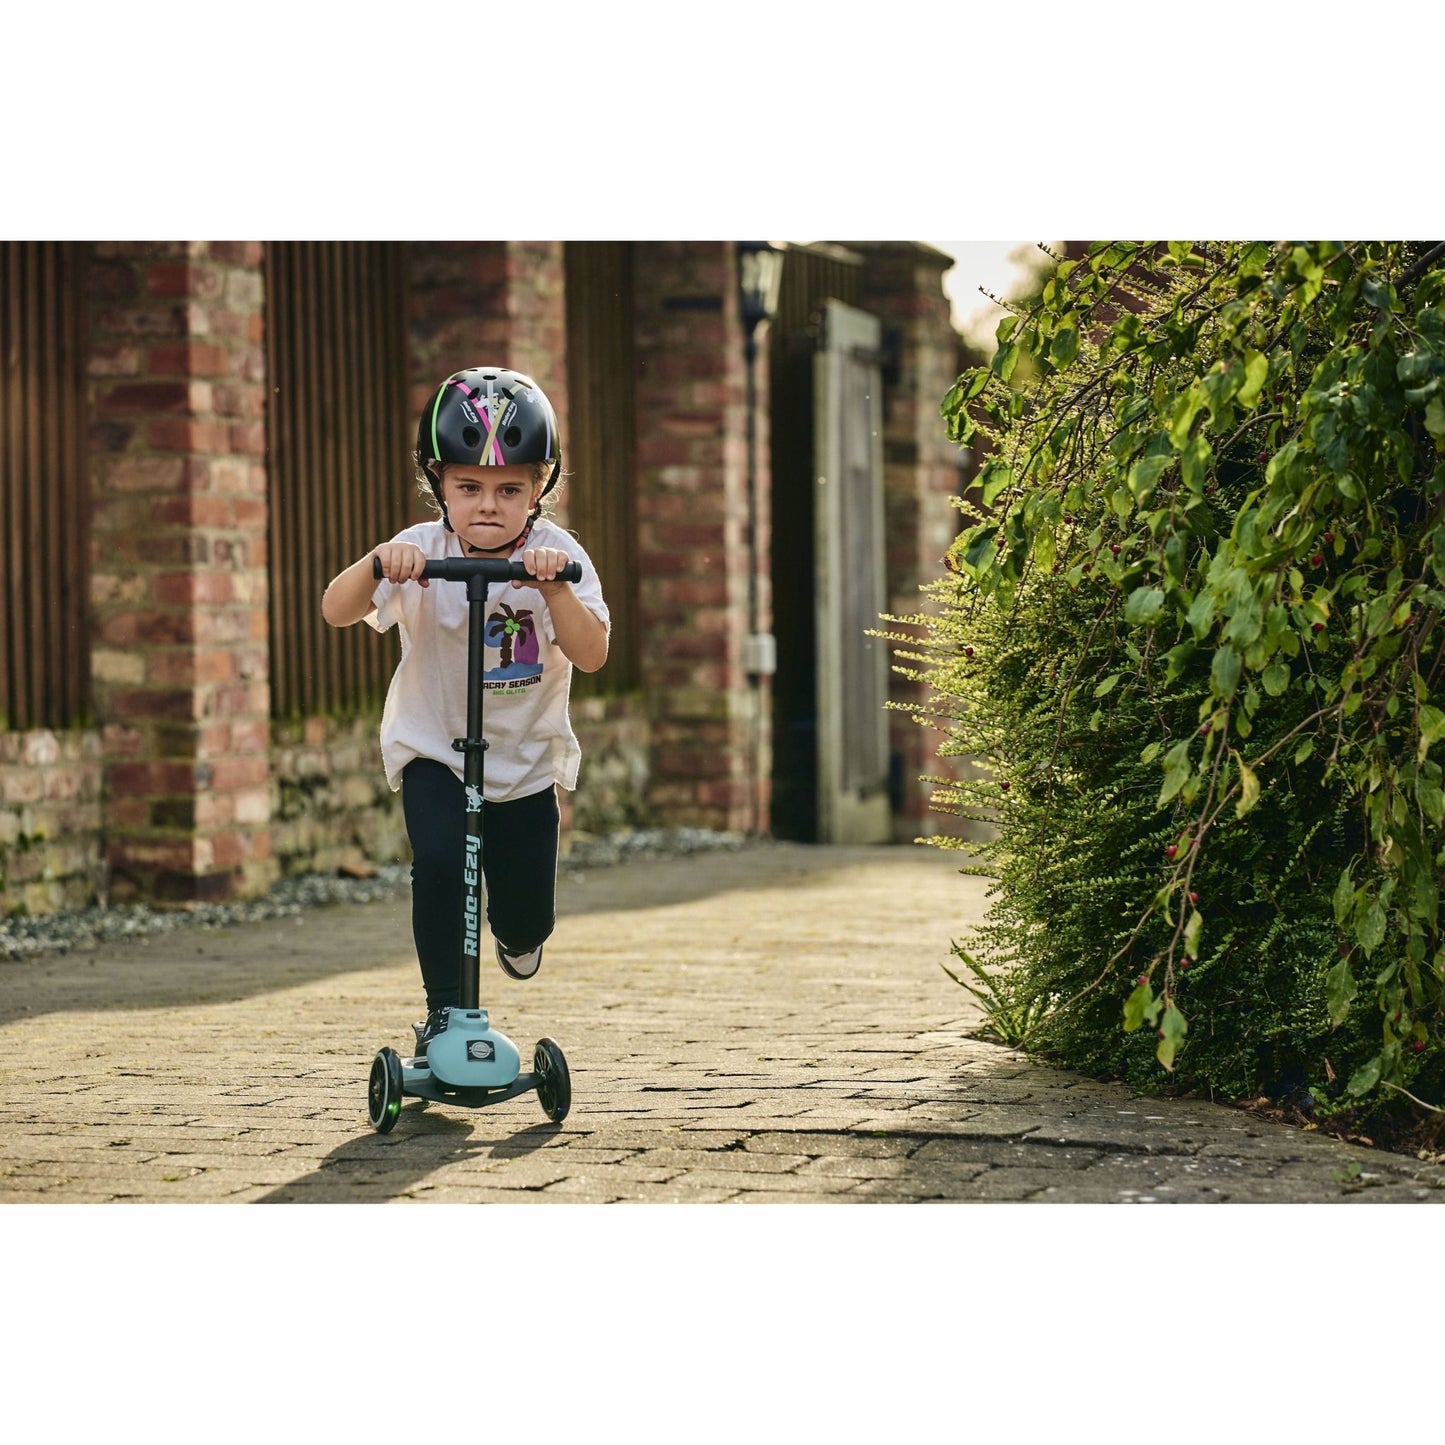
<point>436,1022</point>
<point>519,965</point>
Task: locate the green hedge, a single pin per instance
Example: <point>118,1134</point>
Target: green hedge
<point>1192,632</point>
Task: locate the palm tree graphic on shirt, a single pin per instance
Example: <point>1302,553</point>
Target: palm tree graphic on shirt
<point>514,631</point>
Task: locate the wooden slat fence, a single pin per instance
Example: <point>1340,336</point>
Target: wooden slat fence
<point>339,463</point>
<point>44,488</point>
<point>600,448</point>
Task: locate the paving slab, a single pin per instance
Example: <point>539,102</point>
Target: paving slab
<point>769,1025</point>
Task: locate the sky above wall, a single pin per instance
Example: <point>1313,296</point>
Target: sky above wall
<point>1000,266</point>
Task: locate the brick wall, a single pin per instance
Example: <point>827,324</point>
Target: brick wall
<point>197,794</point>
<point>331,807</point>
<point>613,785</point>
<point>50,855</point>
<point>178,567</point>
<point>496,303</point>
<point>692,510</point>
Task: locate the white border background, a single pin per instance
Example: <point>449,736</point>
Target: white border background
<point>653,121</point>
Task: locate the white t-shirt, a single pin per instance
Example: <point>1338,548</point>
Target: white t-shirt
<point>526,676</point>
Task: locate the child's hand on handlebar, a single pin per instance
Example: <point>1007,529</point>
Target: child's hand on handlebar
<point>544,563</point>
<point>402,562</point>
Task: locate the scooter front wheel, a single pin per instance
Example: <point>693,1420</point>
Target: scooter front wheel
<point>554,1083</point>
<point>383,1090</point>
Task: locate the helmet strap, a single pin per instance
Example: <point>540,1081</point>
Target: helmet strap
<point>436,491</point>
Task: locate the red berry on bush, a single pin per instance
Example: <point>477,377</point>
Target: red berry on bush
<point>968,652</point>
<point>1114,548</point>
<point>1004,786</point>
<point>1263,458</point>
<point>1143,979</point>
<point>1194,899</point>
<point>1184,963</point>
<point>1319,627</point>
<point>1316,559</point>
<point>1171,851</point>
<point>1204,730</point>
<point>1328,538</point>
<point>1418,1046</point>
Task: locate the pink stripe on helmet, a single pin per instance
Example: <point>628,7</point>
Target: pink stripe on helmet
<point>499,459</point>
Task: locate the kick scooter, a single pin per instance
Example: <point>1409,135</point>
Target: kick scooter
<point>471,1064</point>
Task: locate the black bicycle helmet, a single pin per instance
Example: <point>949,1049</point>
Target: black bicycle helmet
<point>487,416</point>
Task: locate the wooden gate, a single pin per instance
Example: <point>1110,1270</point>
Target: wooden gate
<point>812,275</point>
<point>340,474</point>
<point>44,488</point>
<point>849,582</point>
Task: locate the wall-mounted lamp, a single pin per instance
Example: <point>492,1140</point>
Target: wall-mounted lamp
<point>760,278</point>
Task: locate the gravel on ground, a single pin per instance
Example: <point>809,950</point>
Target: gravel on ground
<point>23,936</point>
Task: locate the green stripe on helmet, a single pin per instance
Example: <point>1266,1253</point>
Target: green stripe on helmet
<point>436,407</point>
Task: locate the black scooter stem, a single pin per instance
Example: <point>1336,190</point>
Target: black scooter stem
<point>489,569</point>
<point>477,573</point>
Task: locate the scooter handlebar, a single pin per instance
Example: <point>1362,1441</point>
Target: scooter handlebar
<point>490,569</point>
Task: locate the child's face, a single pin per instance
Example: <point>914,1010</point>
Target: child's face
<point>488,506</point>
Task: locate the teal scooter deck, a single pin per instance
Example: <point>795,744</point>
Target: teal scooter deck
<point>468,1063</point>
<point>469,1053</point>
<point>392,1079</point>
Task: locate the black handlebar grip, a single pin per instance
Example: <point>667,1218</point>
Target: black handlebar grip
<point>492,569</point>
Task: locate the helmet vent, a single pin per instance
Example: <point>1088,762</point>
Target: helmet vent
<point>471,436</point>
<point>512,435</point>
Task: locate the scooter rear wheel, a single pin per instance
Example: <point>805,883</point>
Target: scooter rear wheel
<point>554,1083</point>
<point>383,1091</point>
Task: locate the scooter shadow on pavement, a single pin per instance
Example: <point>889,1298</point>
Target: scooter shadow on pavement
<point>375,1168</point>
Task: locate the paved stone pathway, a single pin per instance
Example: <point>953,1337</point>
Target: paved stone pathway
<point>768,1025</point>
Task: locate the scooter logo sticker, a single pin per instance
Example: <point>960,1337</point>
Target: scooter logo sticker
<point>471,929</point>
<point>474,799</point>
<point>483,1050</point>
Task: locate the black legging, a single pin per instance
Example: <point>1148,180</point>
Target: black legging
<point>519,862</point>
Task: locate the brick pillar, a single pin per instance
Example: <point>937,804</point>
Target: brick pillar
<point>495,303</point>
<point>178,567</point>
<point>903,287</point>
<point>499,303</point>
<point>692,523</point>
